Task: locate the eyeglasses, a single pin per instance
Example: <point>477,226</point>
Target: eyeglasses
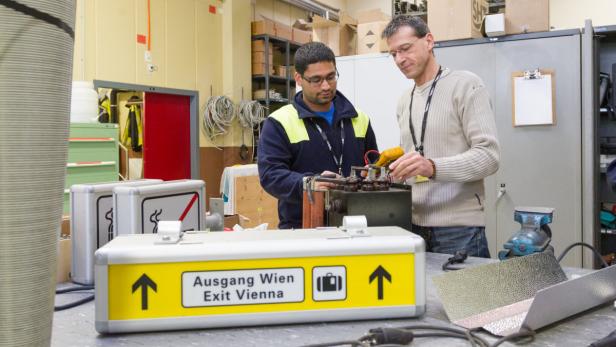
<point>404,49</point>
<point>316,81</point>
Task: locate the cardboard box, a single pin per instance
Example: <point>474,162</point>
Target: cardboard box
<point>302,24</point>
<point>259,46</point>
<point>280,70</point>
<point>526,16</point>
<point>65,227</point>
<point>63,265</point>
<point>495,24</point>
<point>232,220</point>
<point>301,36</point>
<point>369,38</point>
<point>254,203</point>
<point>340,37</point>
<point>263,27</point>
<point>259,69</point>
<point>456,19</point>
<point>283,31</point>
<point>259,57</point>
<point>372,15</point>
<point>261,94</point>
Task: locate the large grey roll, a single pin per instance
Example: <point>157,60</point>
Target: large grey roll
<point>35,81</point>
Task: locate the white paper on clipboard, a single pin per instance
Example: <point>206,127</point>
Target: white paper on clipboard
<point>533,104</point>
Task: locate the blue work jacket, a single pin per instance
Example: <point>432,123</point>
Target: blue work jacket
<point>291,147</point>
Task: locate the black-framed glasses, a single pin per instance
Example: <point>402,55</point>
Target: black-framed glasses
<point>316,81</point>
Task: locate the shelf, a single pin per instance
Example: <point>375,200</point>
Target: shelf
<point>283,100</point>
<point>608,231</point>
<point>91,139</point>
<point>273,78</point>
<point>90,163</point>
<point>275,39</point>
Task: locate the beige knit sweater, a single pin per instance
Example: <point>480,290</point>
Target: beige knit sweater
<point>461,140</point>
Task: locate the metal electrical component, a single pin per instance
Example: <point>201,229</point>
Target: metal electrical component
<point>381,208</point>
<point>371,194</point>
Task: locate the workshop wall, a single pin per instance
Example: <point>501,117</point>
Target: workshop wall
<point>278,11</point>
<point>567,14</point>
<point>187,40</point>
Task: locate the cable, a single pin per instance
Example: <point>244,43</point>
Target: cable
<point>468,334</point>
<point>74,303</point>
<point>73,289</point>
<point>336,343</point>
<point>367,160</point>
<point>458,258</point>
<point>609,340</point>
<point>564,253</point>
<point>522,334</point>
<point>250,114</point>
<point>404,336</point>
<point>218,113</point>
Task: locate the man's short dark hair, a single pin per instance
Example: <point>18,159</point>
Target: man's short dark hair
<point>311,53</point>
<point>399,21</point>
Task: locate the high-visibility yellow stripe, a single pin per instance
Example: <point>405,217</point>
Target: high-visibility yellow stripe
<point>295,128</point>
<point>360,124</point>
<point>293,125</point>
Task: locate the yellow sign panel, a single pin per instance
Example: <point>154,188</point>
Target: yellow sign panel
<point>138,291</point>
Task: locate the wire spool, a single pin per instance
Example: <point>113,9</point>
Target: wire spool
<point>218,113</point>
<point>250,113</point>
<point>35,88</point>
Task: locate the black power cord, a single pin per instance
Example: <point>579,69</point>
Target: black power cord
<point>74,303</point>
<point>608,341</point>
<point>526,335</point>
<point>458,258</point>
<point>404,336</point>
<point>564,253</point>
<point>77,302</point>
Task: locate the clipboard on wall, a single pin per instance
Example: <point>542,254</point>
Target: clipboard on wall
<point>533,97</point>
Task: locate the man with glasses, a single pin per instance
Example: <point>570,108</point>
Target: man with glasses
<point>320,132</point>
<point>448,132</point>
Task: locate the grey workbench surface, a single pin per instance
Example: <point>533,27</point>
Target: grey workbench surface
<point>75,327</point>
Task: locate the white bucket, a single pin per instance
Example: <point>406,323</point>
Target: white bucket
<point>84,102</point>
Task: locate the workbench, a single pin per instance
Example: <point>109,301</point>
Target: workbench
<point>75,327</point>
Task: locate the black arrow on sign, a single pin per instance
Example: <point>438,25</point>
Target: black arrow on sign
<point>381,273</point>
<point>144,282</point>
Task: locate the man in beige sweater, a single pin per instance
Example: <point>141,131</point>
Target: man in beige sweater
<point>449,139</point>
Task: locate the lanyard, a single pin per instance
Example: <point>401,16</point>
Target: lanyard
<point>337,161</point>
<point>419,146</point>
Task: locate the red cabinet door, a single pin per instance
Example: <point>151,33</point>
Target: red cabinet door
<point>166,136</point>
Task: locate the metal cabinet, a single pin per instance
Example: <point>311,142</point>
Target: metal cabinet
<point>92,156</point>
<point>598,56</point>
<point>540,165</point>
